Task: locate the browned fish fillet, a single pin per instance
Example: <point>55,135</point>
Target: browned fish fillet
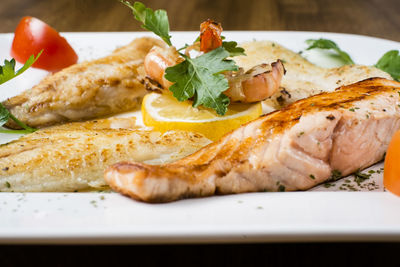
<point>302,79</point>
<point>86,90</point>
<point>74,156</point>
<point>295,148</point>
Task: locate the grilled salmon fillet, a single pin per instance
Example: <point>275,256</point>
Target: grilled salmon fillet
<point>295,148</point>
<point>302,78</point>
<point>74,156</point>
<point>86,90</point>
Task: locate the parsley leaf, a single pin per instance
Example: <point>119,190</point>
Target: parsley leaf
<point>197,78</point>
<point>5,115</point>
<point>233,49</point>
<point>328,44</point>
<point>154,21</point>
<point>7,72</point>
<point>390,63</point>
<point>201,79</point>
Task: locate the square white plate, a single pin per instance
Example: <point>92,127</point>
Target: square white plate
<point>321,214</point>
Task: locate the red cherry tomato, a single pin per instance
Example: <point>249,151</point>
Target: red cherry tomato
<point>391,177</point>
<point>32,35</point>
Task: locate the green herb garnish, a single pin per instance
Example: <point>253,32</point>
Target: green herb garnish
<point>154,21</point>
<point>327,185</point>
<point>335,175</point>
<point>360,177</point>
<point>199,78</point>
<point>233,49</point>
<point>328,44</point>
<point>390,63</point>
<point>7,72</point>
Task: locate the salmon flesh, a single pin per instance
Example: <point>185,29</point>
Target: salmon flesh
<point>306,143</point>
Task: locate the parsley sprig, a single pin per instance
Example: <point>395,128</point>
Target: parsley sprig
<point>197,78</point>
<point>328,44</point>
<point>389,62</point>
<point>7,72</point>
<point>154,21</point>
<point>201,79</point>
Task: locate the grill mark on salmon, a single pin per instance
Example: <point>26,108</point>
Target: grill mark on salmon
<point>345,130</point>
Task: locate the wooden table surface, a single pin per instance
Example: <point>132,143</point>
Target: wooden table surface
<point>380,18</point>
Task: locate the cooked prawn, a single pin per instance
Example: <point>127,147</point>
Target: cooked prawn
<point>210,35</point>
<point>257,84</point>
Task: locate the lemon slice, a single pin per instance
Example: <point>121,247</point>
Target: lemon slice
<point>163,113</point>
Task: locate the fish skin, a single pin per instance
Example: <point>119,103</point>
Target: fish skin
<point>302,79</point>
<point>74,156</point>
<point>295,148</point>
<point>86,90</point>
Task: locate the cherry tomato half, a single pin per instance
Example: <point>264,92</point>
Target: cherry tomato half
<point>32,35</point>
<point>391,177</point>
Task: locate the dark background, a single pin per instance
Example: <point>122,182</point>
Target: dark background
<point>380,18</point>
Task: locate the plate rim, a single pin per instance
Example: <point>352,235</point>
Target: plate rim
<point>391,234</point>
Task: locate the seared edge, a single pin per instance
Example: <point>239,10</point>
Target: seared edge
<point>292,149</point>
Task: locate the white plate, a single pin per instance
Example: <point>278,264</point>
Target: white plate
<point>112,218</point>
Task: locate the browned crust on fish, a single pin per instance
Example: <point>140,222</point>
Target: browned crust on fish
<point>190,176</point>
<point>73,156</point>
<point>86,90</point>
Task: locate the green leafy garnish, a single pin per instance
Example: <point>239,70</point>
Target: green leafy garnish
<point>154,21</point>
<point>233,49</point>
<point>201,79</point>
<point>328,44</point>
<point>360,177</point>
<point>7,72</point>
<point>5,115</point>
<point>390,63</point>
<point>335,175</point>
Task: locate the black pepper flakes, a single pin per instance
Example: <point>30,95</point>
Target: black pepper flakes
<point>330,117</point>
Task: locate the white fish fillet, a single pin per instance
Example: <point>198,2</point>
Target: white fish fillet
<point>74,156</point>
<point>302,79</point>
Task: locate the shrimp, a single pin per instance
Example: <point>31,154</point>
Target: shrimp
<point>157,60</point>
<point>210,35</point>
<point>257,84</point>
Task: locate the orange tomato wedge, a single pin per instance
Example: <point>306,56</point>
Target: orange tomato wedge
<point>391,177</point>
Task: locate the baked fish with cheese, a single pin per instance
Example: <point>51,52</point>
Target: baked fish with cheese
<point>74,156</point>
<point>302,78</point>
<point>87,90</point>
<point>295,148</point>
